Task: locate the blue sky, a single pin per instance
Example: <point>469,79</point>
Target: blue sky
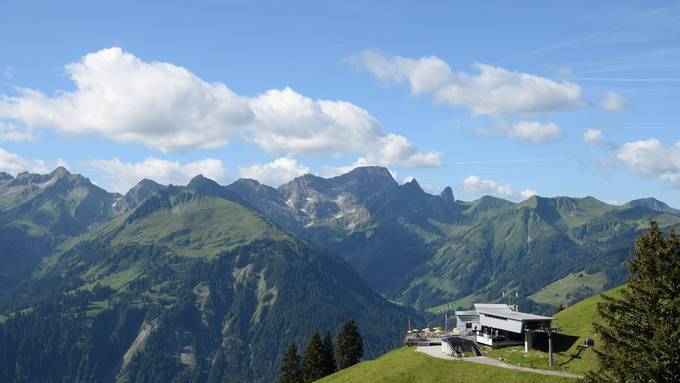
<point>504,98</point>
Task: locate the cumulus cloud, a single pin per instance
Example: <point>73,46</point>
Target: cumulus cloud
<point>476,185</point>
<point>10,131</point>
<point>532,131</point>
<point>13,164</point>
<point>593,137</point>
<point>390,150</point>
<point>650,158</point>
<point>123,98</point>
<point>276,172</point>
<point>164,106</point>
<point>490,90</point>
<point>121,176</point>
<point>612,101</point>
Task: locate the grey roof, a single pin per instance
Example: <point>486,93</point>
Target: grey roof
<point>505,311</point>
<point>479,306</point>
<point>469,312</point>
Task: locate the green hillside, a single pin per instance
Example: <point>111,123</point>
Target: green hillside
<point>574,321</point>
<point>189,286</point>
<point>406,365</point>
<point>570,289</point>
<point>39,212</point>
<point>428,250</point>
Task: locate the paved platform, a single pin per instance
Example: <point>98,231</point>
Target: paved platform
<point>436,352</point>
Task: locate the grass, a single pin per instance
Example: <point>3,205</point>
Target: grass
<point>465,302</point>
<point>406,365</point>
<point>94,308</point>
<point>576,321</point>
<point>516,355</point>
<point>201,227</point>
<point>565,290</point>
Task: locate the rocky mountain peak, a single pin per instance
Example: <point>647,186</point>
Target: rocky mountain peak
<point>203,185</point>
<point>447,194</point>
<point>59,172</point>
<point>653,204</point>
<point>413,186</point>
<point>139,193</point>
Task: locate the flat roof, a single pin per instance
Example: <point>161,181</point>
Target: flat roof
<point>468,312</point>
<point>505,311</point>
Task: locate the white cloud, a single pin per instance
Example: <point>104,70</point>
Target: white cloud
<point>123,98</point>
<point>13,164</point>
<point>475,185</point>
<point>121,176</point>
<point>390,150</point>
<point>612,101</point>
<point>396,150</point>
<point>593,137</point>
<point>532,131</point>
<point>650,158</point>
<point>10,131</point>
<point>527,193</point>
<point>492,90</point>
<point>164,106</point>
<point>276,172</point>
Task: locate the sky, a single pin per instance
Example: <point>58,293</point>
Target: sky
<point>510,98</point>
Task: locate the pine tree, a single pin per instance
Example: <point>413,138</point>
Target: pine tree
<point>312,364</point>
<point>640,333</point>
<point>290,366</point>
<point>349,347</point>
<point>328,354</point>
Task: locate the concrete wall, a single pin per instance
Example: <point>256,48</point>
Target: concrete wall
<point>507,324</point>
<point>461,320</point>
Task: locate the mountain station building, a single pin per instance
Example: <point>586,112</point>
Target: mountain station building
<point>499,325</point>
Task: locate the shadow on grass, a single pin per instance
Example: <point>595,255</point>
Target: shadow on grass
<point>576,355</point>
<point>561,342</point>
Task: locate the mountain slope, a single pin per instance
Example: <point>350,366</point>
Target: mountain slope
<point>405,365</point>
<point>192,286</point>
<point>654,204</point>
<point>427,250</point>
<point>39,212</point>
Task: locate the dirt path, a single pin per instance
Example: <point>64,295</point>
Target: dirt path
<point>436,352</point>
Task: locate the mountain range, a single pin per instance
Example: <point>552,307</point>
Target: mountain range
<point>211,283</point>
<point>427,250</point>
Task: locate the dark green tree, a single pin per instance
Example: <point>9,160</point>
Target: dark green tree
<point>328,354</point>
<point>312,363</point>
<point>640,332</point>
<point>291,372</point>
<point>349,347</point>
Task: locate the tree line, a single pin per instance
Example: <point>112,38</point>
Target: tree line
<point>640,330</point>
<point>321,357</point>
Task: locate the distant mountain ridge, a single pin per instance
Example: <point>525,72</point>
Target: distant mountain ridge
<point>411,246</point>
<point>426,249</point>
<point>192,283</point>
<point>38,212</point>
<point>654,204</point>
